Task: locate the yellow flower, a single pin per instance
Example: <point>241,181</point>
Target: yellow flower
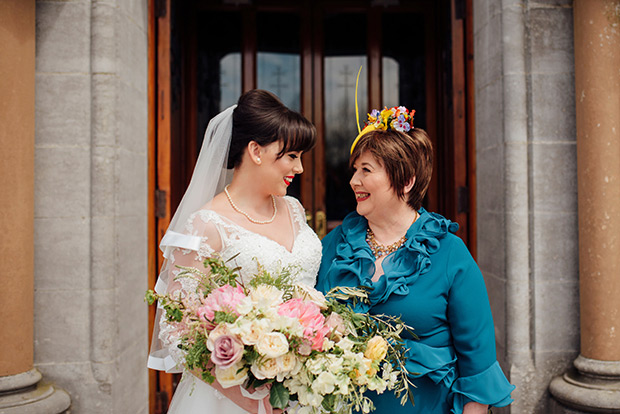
<point>385,118</point>
<point>376,349</point>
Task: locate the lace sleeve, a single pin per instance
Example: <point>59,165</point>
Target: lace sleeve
<point>298,212</point>
<point>198,225</point>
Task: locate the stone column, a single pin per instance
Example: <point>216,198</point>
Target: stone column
<point>21,388</point>
<point>594,386</point>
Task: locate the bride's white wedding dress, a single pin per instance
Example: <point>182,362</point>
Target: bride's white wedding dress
<point>219,234</point>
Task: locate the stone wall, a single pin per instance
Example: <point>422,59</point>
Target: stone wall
<point>527,188</point>
<point>90,202</point>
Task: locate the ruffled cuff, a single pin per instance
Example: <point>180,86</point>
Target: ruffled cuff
<point>489,387</point>
<point>437,363</point>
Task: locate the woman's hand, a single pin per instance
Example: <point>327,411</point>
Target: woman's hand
<point>475,408</point>
<point>235,395</point>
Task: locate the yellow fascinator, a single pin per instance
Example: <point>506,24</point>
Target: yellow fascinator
<point>397,118</point>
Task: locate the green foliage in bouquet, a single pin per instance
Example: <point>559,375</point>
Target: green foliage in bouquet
<point>332,355</point>
<point>342,300</point>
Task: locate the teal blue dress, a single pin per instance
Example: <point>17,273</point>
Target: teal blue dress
<point>434,284</point>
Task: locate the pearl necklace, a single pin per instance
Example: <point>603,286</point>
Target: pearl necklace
<point>238,210</point>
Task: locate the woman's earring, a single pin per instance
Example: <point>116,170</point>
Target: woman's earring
<point>258,160</point>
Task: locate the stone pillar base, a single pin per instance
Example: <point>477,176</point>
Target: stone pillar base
<point>593,387</point>
<point>26,393</point>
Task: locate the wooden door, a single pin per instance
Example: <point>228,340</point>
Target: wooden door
<point>204,54</point>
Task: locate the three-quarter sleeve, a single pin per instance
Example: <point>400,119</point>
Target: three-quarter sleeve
<point>188,249</point>
<point>471,324</point>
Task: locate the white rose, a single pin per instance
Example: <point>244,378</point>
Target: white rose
<point>245,306</point>
<point>265,368</point>
<point>306,292</point>
<point>250,331</point>
<point>232,375</point>
<point>272,344</point>
<point>288,364</point>
<point>265,296</point>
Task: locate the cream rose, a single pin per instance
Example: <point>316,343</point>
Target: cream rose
<point>231,376</point>
<point>265,368</point>
<point>250,331</point>
<point>287,364</point>
<point>376,349</point>
<point>265,296</point>
<point>272,344</point>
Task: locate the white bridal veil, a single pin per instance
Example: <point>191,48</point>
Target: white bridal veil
<point>208,179</point>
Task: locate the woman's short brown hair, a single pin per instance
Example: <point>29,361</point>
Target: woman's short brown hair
<point>404,156</point>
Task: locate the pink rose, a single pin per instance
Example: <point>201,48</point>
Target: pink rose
<point>227,350</point>
<point>224,299</point>
<point>309,315</point>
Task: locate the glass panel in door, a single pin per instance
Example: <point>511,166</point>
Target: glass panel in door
<point>344,52</point>
<point>278,62</point>
<point>218,64</point>
<point>403,63</point>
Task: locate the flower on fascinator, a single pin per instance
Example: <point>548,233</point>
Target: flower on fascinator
<point>401,123</point>
<point>397,118</point>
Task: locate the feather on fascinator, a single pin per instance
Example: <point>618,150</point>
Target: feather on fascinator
<point>397,118</point>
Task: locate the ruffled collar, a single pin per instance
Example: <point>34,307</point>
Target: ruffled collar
<point>353,264</point>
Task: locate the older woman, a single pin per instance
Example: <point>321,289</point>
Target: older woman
<point>417,269</point>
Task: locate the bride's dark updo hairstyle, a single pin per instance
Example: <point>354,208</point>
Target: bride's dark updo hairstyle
<point>261,117</point>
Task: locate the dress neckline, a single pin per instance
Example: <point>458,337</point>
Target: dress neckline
<point>354,263</point>
<point>292,219</point>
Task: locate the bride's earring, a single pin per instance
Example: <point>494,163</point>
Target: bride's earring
<point>258,160</point>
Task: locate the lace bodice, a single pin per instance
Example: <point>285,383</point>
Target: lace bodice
<point>251,247</point>
<point>231,239</point>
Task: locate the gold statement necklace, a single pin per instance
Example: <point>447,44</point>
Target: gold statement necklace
<point>238,210</point>
<point>379,250</point>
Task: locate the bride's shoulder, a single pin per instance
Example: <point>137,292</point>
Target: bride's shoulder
<point>293,201</point>
<point>294,204</point>
<point>206,217</point>
<point>211,210</point>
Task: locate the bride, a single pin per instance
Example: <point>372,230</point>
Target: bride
<point>250,219</point>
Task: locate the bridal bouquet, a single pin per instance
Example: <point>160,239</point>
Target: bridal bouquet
<point>308,347</point>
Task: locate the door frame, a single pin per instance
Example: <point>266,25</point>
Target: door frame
<point>167,119</point>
